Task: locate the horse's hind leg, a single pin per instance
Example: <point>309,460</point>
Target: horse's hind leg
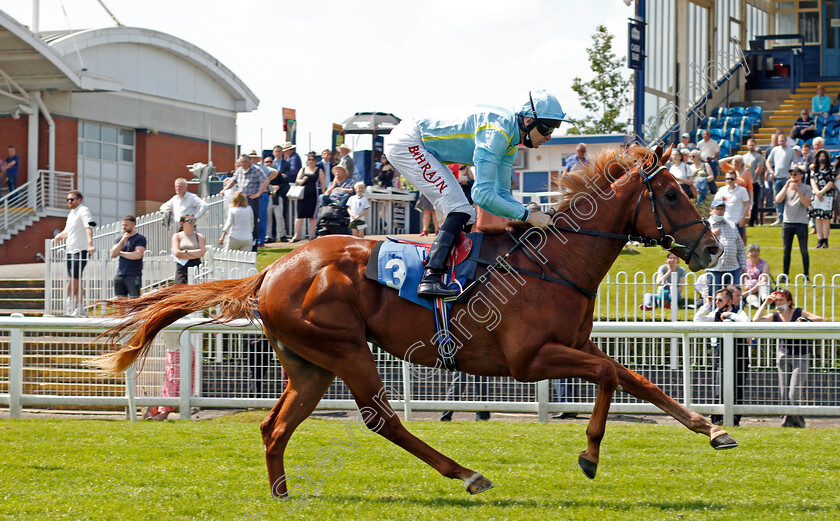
<point>637,385</point>
<point>307,384</point>
<point>364,382</point>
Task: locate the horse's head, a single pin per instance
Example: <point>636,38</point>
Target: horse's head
<point>665,214</point>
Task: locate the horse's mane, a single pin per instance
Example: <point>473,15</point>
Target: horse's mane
<point>607,166</point>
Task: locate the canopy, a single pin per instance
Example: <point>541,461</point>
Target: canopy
<point>370,123</point>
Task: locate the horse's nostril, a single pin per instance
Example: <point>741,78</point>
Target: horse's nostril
<point>713,250</point>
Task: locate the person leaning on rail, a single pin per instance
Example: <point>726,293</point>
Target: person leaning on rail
<point>487,137</point>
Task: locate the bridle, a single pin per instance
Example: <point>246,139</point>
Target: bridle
<point>665,241</point>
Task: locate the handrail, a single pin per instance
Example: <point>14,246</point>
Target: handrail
<point>33,198</point>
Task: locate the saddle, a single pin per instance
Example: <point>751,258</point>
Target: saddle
<point>460,252</point>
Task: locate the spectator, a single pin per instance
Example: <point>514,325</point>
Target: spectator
<point>778,164</point>
<point>425,207</point>
<point>308,177</point>
<point>578,159</point>
<point>79,234</point>
<point>736,199</point>
<point>796,197</point>
<point>183,203</point>
<point>188,247</point>
<point>265,199</point>
<point>252,181</point>
<point>754,163</point>
<point>293,164</point>
<point>709,151</point>
<point>130,248</point>
<point>357,206</point>
<point>10,168</point>
<point>804,127</point>
<point>238,224</point>
<point>276,223</point>
<point>805,159</point>
<point>339,190</point>
<point>326,163</point>
<point>385,179</point>
<point>821,104</point>
<point>457,387</point>
<point>346,160</point>
<point>725,309</point>
<point>685,142</point>
<point>792,355</point>
<point>757,277</point>
<point>819,144</point>
<point>466,178</point>
<point>682,173</point>
<point>664,274</point>
<point>822,204</point>
<point>733,261</point>
<point>703,176</point>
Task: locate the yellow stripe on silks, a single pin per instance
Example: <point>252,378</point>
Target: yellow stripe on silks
<point>494,127</point>
<point>512,150</point>
<point>450,136</point>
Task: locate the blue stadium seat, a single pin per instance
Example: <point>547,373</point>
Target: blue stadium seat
<point>718,122</point>
<point>819,122</point>
<point>698,135</point>
<point>734,136</point>
<point>736,111</point>
<point>706,123</point>
<point>833,140</point>
<point>754,113</point>
<point>720,112</point>
<point>725,148</point>
<point>716,134</point>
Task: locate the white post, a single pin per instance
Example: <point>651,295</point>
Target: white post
<point>185,387</point>
<point>406,377</point>
<point>131,393</point>
<point>686,368</point>
<point>675,301</point>
<point>728,378</point>
<point>48,277</point>
<point>542,401</point>
<point>15,371</point>
<point>36,22</point>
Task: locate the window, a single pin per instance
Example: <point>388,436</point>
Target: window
<point>106,142</point>
<point>798,17</point>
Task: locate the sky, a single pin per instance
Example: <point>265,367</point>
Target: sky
<point>331,59</point>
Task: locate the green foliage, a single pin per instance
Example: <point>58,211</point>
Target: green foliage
<point>607,93</point>
<point>215,470</point>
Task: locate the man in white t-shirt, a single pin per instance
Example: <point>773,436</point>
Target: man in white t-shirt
<point>737,201</point>
<point>709,150</point>
<point>79,234</point>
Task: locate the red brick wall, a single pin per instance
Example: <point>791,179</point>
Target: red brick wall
<point>66,144</point>
<point>15,132</point>
<point>22,247</point>
<point>161,159</point>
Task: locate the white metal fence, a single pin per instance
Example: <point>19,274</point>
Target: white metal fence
<point>158,263</point>
<point>723,368</point>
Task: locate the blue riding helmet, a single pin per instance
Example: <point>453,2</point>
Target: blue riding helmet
<point>540,104</point>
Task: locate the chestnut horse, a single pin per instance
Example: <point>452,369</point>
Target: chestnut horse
<point>319,310</point>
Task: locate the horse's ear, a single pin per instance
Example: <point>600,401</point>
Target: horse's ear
<point>657,154</point>
<point>666,155</point>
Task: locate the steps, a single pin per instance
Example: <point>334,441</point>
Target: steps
<point>24,296</point>
<point>789,109</point>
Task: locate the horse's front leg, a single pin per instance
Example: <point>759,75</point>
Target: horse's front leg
<point>560,361</point>
<point>637,385</point>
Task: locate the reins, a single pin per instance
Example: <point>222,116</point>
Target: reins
<point>665,241</point>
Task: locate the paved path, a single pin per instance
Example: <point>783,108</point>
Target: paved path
<point>34,270</point>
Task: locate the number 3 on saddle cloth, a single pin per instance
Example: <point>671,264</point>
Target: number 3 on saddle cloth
<point>398,264</point>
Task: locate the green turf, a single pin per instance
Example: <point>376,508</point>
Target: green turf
<point>87,469</point>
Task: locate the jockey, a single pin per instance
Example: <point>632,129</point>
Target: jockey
<point>487,137</point>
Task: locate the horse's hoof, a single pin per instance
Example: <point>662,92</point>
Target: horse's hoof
<point>723,441</point>
<point>477,483</point>
<point>589,468</point>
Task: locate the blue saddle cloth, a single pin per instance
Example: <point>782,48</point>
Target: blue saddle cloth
<point>400,266</point>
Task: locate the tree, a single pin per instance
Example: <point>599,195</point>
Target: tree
<point>605,95</point>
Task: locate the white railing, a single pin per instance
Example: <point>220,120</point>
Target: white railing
<point>158,264</point>
<point>236,368</point>
<point>33,198</point>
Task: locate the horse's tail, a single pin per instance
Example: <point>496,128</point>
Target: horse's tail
<point>145,316</point>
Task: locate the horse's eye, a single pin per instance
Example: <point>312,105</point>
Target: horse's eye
<point>671,196</point>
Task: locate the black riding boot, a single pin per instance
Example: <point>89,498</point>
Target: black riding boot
<point>431,286</point>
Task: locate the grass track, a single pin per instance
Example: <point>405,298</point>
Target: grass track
<point>89,469</point>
